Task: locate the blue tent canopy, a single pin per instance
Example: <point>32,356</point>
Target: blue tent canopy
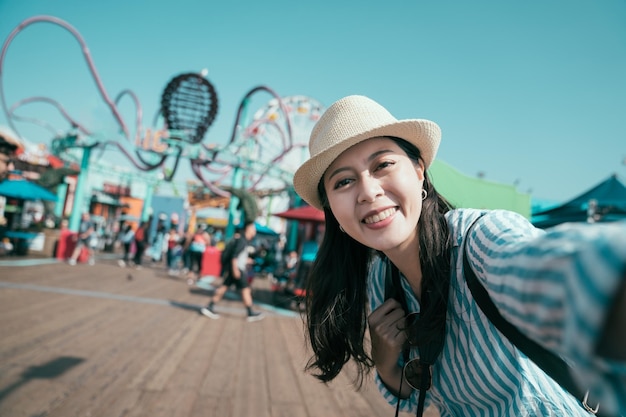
<point>261,230</point>
<point>609,198</point>
<point>25,190</point>
<point>264,230</point>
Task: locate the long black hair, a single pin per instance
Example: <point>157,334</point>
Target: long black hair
<point>336,304</point>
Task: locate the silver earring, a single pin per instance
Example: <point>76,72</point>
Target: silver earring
<point>424,194</point>
<point>341,228</point>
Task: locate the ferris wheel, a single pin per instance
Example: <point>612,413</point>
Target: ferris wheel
<point>277,137</point>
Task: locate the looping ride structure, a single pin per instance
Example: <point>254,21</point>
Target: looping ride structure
<point>259,158</point>
<point>189,104</point>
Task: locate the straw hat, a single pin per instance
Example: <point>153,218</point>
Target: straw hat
<point>349,121</point>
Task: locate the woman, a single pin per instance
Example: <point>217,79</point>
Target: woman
<point>127,235</point>
<point>197,247</point>
<point>391,262</point>
<point>141,242</point>
<point>174,250</point>
<point>159,245</point>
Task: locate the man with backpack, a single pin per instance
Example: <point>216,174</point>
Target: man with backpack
<point>234,265</point>
<point>141,241</point>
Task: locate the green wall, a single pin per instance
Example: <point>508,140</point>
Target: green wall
<point>468,192</point>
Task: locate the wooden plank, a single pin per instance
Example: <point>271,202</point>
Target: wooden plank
<point>109,369</point>
<point>212,406</point>
<point>60,327</point>
<point>163,404</point>
<point>282,389</point>
<point>164,362</point>
<point>194,366</point>
<point>252,387</point>
<point>220,382</point>
<point>288,410</point>
<point>317,397</point>
<point>135,358</point>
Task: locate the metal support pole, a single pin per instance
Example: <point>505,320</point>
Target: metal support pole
<point>60,204</point>
<point>237,181</point>
<point>79,198</point>
<point>292,242</point>
<point>232,207</point>
<point>147,203</point>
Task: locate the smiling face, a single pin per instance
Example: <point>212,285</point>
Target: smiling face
<point>374,191</point>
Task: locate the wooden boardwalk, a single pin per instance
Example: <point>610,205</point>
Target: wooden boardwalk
<point>105,341</point>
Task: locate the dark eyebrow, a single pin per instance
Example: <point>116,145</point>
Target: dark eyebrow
<point>369,159</point>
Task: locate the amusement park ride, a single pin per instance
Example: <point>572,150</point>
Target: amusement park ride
<point>258,160</point>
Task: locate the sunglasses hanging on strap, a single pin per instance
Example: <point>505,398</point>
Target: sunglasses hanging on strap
<point>418,371</point>
<point>551,364</point>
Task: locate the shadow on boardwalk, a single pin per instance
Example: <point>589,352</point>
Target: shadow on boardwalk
<point>104,341</point>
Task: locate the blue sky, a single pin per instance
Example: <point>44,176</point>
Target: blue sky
<point>532,93</point>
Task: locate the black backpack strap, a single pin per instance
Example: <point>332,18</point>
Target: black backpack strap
<point>551,364</point>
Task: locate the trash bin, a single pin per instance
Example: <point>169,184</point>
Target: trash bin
<point>211,265</point>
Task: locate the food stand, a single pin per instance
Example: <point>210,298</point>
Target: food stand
<point>19,196</point>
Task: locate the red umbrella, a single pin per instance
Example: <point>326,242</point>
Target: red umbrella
<point>304,213</point>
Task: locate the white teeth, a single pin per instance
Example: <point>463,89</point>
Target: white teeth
<point>380,216</point>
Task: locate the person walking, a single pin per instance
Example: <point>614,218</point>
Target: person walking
<point>199,242</point>
<point>127,236</point>
<point>308,254</point>
<point>186,239</point>
<point>234,271</point>
<point>159,245</point>
<point>399,261</point>
<point>141,241</point>
<point>174,250</point>
<point>86,232</point>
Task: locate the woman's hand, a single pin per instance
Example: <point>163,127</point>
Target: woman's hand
<point>386,325</point>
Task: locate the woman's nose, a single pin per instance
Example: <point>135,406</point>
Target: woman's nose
<point>370,189</point>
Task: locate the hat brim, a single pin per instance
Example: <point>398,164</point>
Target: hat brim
<point>423,134</point>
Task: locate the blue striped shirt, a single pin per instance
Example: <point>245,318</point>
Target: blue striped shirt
<point>555,286</point>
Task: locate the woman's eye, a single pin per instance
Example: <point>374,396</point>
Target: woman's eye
<point>384,164</point>
<point>342,183</point>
